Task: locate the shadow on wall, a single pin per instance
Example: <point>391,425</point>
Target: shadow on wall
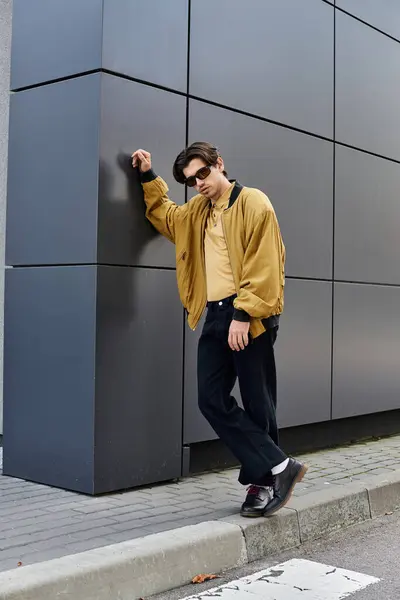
<point>127,214</point>
<point>116,215</point>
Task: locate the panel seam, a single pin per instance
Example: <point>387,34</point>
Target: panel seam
<point>333,213</point>
<point>189,7</point>
<point>369,25</point>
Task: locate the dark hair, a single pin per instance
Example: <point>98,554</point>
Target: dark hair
<point>203,150</point>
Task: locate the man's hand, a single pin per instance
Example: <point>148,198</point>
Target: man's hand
<point>238,335</point>
<point>141,159</point>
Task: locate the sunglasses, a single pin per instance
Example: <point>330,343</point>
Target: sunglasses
<point>201,174</point>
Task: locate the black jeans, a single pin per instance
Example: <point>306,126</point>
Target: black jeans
<point>251,434</point>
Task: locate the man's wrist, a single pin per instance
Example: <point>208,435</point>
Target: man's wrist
<point>148,176</point>
<point>241,315</point>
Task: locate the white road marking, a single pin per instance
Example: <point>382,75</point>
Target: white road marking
<point>296,578</point>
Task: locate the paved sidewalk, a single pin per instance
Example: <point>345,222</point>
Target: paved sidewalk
<point>38,523</point>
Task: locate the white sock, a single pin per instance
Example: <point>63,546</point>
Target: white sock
<point>279,468</point>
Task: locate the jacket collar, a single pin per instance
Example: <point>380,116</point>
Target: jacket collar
<point>237,188</point>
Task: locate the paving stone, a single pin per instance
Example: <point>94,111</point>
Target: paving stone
<point>194,512</point>
<point>130,514</point>
<point>169,525</point>
<point>380,471</point>
<point>36,526</point>
<point>153,509</point>
<point>14,542</point>
<point>33,514</point>
<point>25,504</point>
<point>93,508</point>
<point>87,534</point>
<point>90,528</point>
<point>122,536</point>
<point>140,524</point>
<point>330,471</point>
<point>34,556</point>
<point>15,553</point>
<point>59,541</point>
<point>390,461</point>
<point>76,546</point>
<point>11,563</point>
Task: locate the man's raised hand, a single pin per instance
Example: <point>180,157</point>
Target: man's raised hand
<point>141,159</point>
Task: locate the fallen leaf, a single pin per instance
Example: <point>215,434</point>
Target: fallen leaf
<point>203,578</point>
<point>19,564</point>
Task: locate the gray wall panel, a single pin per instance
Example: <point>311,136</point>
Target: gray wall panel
<point>367,88</point>
<point>49,375</point>
<point>383,15</point>
<point>54,39</point>
<point>272,58</point>
<point>367,242</point>
<point>366,374</point>
<point>53,174</point>
<point>147,40</point>
<point>293,169</point>
<point>138,437</point>
<point>303,354</point>
<point>136,116</point>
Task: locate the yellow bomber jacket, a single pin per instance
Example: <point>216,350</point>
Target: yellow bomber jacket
<point>254,242</point>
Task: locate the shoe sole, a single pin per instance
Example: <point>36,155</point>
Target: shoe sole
<point>252,515</point>
<point>297,479</point>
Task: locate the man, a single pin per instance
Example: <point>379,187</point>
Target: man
<point>230,258</point>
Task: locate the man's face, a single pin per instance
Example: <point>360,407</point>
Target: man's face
<point>210,186</point>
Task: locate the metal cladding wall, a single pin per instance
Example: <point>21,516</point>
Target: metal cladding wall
<point>301,98</point>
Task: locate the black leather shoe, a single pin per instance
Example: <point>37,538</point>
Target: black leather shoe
<point>257,500</point>
<point>284,484</point>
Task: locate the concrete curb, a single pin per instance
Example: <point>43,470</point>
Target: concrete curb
<point>160,562</point>
<point>131,569</point>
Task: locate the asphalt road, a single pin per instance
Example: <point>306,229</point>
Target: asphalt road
<point>372,548</point>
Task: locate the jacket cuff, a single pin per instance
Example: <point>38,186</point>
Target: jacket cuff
<point>148,176</point>
<point>241,315</point>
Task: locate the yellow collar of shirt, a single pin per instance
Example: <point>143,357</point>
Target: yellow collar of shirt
<point>223,200</point>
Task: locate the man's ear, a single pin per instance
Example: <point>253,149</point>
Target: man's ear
<point>220,164</point>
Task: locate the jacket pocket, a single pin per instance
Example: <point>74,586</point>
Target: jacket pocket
<point>182,276</point>
<point>180,256</point>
